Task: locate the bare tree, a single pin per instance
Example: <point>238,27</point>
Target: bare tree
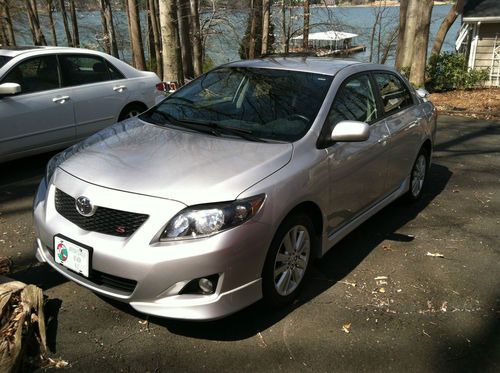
<point>172,66</point>
<point>405,50</point>
<point>74,24</point>
<point>64,16</point>
<point>34,22</point>
<point>196,37</point>
<point>305,34</point>
<point>419,59</point>
<point>155,28</point>
<point>185,38</point>
<point>135,35</point>
<point>266,20</point>
<point>108,27</point>
<point>50,9</point>
<point>7,30</point>
<point>452,15</point>
<point>403,8</point>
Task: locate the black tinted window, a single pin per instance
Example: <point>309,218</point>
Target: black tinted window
<point>354,101</point>
<point>4,60</point>
<point>79,69</point>
<point>34,75</point>
<point>395,95</point>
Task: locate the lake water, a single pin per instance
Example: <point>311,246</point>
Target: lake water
<point>227,29</point>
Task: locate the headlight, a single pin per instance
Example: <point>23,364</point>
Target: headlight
<point>54,162</point>
<point>205,220</point>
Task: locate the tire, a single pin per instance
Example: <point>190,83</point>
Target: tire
<point>131,111</point>
<point>418,176</point>
<point>285,270</point>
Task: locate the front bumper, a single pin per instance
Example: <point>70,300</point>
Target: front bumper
<point>153,271</point>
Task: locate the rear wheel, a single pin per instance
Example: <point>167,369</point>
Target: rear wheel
<point>288,260</point>
<point>131,111</point>
<point>418,176</point>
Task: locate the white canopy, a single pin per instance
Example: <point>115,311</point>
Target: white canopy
<point>328,36</point>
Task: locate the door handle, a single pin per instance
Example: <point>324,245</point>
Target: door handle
<point>119,88</point>
<point>61,99</point>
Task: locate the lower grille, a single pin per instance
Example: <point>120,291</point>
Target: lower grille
<point>105,220</point>
<point>113,282</point>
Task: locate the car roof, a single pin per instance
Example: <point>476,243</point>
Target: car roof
<point>19,50</point>
<point>319,65</point>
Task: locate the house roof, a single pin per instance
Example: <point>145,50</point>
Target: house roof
<point>481,9</point>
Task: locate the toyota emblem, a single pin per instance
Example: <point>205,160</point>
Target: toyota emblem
<point>84,206</point>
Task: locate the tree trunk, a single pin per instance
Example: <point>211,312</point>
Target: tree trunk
<point>412,21</point>
<point>153,8</point>
<point>450,18</point>
<point>266,19</point>
<point>196,37</point>
<point>135,35</point>
<point>403,8</point>
<point>284,43</point>
<point>3,34</point>
<point>105,31</point>
<point>185,38</point>
<point>74,24</point>
<point>305,40</point>
<point>372,36</point>
<point>108,15</point>
<point>9,29</point>
<point>255,37</point>
<point>417,74</point>
<point>51,21</point>
<point>38,37</point>
<point>64,16</point>
<point>172,69</point>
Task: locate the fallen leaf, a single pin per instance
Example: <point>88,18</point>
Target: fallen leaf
<point>435,255</point>
<point>381,278</point>
<point>381,290</point>
<point>346,328</point>
<point>444,307</point>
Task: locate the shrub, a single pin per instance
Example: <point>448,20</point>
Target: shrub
<point>449,71</point>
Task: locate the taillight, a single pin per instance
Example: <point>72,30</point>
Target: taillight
<point>167,87</point>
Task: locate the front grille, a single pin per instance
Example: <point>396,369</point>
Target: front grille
<point>113,282</point>
<point>105,220</point>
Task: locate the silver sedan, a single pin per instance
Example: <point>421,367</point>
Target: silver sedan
<point>225,192</point>
<point>52,97</point>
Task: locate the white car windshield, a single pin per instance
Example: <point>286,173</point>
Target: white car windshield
<point>264,103</point>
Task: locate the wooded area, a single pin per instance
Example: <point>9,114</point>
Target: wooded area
<point>174,44</point>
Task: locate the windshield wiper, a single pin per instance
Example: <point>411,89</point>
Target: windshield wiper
<point>187,124</point>
<point>244,134</point>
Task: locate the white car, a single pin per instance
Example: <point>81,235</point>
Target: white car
<point>52,97</point>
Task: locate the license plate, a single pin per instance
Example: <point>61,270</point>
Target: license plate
<point>72,255</point>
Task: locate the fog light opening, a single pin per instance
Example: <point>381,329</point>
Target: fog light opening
<point>203,285</point>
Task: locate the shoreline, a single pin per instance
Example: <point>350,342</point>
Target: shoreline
<point>375,4</point>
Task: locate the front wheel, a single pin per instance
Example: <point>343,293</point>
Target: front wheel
<point>418,176</point>
<point>288,260</point>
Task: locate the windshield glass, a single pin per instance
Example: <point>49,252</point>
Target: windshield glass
<point>267,104</point>
<point>4,60</point>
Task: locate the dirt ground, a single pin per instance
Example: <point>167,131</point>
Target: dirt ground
<point>476,103</point>
<point>415,288</point>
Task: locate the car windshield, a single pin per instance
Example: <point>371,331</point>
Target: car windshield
<point>4,60</point>
<point>256,104</point>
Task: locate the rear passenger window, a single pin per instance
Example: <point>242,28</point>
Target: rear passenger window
<point>35,75</point>
<point>395,95</point>
<point>79,69</point>
<point>114,72</point>
<point>354,101</point>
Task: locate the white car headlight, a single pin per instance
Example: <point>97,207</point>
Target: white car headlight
<point>205,220</point>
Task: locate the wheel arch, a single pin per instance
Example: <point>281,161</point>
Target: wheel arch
<point>132,104</point>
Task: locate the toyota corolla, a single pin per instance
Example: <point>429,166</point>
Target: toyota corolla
<point>226,191</point>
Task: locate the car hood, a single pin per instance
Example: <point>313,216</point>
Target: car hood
<point>193,168</point>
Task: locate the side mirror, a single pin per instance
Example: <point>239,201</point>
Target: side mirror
<point>422,93</point>
<point>350,131</point>
<point>9,88</point>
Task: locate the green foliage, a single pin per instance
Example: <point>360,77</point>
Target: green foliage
<point>208,64</point>
<point>449,71</point>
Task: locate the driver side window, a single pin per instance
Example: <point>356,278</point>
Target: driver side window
<point>354,101</point>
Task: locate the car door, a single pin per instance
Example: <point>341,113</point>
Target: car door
<point>403,118</point>
<point>99,91</point>
<point>357,170</point>
<point>41,115</point>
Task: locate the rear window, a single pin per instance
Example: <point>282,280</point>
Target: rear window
<point>4,60</point>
